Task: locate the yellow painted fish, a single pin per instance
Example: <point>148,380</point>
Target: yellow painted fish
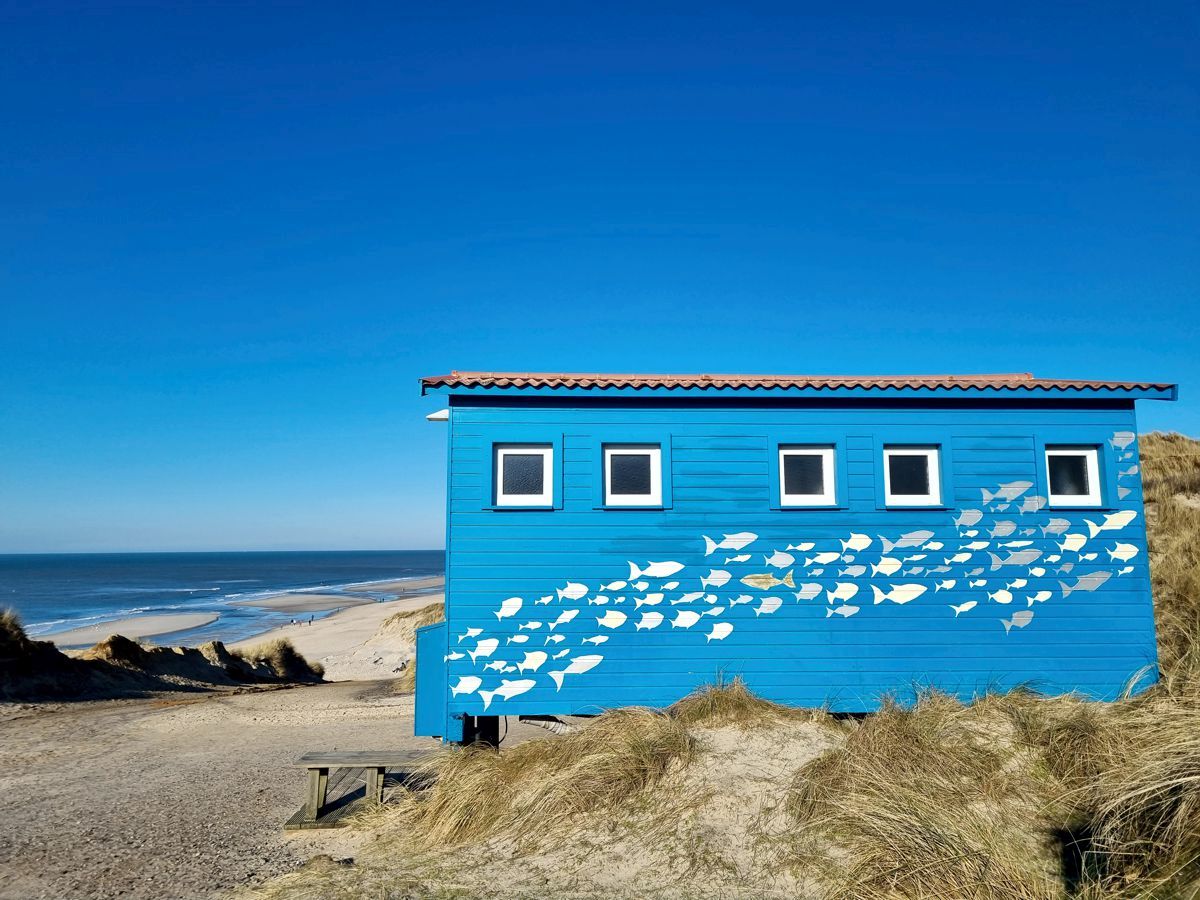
<point>766,581</point>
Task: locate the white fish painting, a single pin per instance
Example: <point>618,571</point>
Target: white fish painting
<point>779,559</point>
<point>729,542</point>
<point>648,600</point>
<point>598,600</point>
<point>1055,526</point>
<point>467,684</point>
<point>982,582</point>
<point>1123,492</point>
<point>844,611</point>
<point>740,558</point>
<point>549,598</point>
<point>685,618</point>
<point>768,606</point>
<point>1125,570</point>
<point>844,591</point>
<point>968,517</point>
<point>496,666</point>
<point>470,633</point>
<point>529,626</point>
<point>1132,470</point>
<point>1121,439</point>
<point>595,639</point>
<point>1001,596</point>
<point>563,618</point>
<point>1015,558</point>
<point>532,661</point>
<point>1010,491</point>
<point>1039,597</point>
<point>554,639</point>
<point>899,593</point>
<point>1019,619</point>
<point>1016,583</point>
<point>1014,544</point>
<point>572,591</point>
<point>856,542</point>
<point>507,690</point>
<point>887,565</point>
<point>1031,504</point>
<point>670,585</point>
<point>1112,522</point>
<point>577,666</point>
<point>720,631</point>
<point>561,653</point>
<point>654,570</point>
<point>714,611</point>
<point>649,620</point>
<point>1088,557</point>
<point>1088,582</point>
<point>516,639</point>
<point>946,585</point>
<point>455,655</point>
<point>1002,529</point>
<point>688,598</point>
<point>911,539</point>
<point>976,545</point>
<point>640,585</point>
<point>1037,571</point>
<point>823,559</point>
<point>803,548</point>
<point>852,572</point>
<point>486,647</point>
<point>715,578</point>
<point>614,618</point>
<point>961,608</point>
<point>958,558</point>
<point>933,545</point>
<point>1072,542</point>
<point>746,598</point>
<point>613,586</point>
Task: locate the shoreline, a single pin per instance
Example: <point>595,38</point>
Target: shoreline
<point>132,627</point>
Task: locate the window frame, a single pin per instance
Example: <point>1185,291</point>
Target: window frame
<point>806,438</point>
<point>828,456</point>
<point>932,451</point>
<point>654,498</point>
<point>1106,459</point>
<point>508,438</point>
<point>1094,499</point>
<point>631,437</point>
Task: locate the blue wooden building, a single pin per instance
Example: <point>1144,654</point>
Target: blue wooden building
<point>622,539</point>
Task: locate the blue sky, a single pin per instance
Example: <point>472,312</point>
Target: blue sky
<point>233,237</point>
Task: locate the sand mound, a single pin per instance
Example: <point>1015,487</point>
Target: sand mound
<point>119,667</point>
<point>389,653</point>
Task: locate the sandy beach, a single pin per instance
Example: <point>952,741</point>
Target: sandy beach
<point>133,627</point>
<point>348,643</point>
<point>300,602</point>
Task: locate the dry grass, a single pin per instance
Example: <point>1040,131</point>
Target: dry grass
<point>732,703</point>
<point>284,661</point>
<point>535,789</point>
<point>402,627</point>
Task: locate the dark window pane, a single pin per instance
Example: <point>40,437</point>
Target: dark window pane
<point>1068,476</point>
<point>629,473</point>
<point>523,473</point>
<point>803,474</point>
<point>909,475</point>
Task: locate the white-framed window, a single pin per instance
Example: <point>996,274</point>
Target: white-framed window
<point>911,476</point>
<point>632,475</point>
<point>806,476</point>
<point>1073,476</point>
<point>524,475</point>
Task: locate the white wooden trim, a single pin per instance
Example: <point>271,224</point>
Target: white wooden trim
<point>931,455</point>
<point>1092,467</point>
<point>546,497</point>
<point>828,497</point>
<point>654,498</point>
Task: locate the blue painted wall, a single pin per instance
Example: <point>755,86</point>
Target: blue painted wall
<point>807,651</point>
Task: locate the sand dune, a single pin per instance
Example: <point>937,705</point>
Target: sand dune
<point>133,627</point>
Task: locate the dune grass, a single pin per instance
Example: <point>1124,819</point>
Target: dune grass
<point>402,627</point>
<point>283,660</point>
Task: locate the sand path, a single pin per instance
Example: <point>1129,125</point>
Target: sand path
<point>178,796</point>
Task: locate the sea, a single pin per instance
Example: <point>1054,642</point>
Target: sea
<point>56,592</point>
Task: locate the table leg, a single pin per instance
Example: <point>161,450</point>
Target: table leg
<point>318,784</point>
<point>375,776</point>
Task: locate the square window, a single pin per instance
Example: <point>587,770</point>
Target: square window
<point>1073,476</point>
<point>632,475</point>
<point>524,475</point>
<point>806,476</point>
<point>911,476</point>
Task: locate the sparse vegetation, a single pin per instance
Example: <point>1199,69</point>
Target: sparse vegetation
<point>402,627</point>
<point>283,661</point>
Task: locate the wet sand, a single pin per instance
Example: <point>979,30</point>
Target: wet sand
<point>300,602</point>
<point>132,627</point>
<point>400,586</point>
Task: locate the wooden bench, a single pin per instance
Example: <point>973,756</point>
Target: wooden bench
<point>350,767</point>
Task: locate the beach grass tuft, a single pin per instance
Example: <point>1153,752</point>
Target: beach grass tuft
<point>283,660</point>
<point>402,628</point>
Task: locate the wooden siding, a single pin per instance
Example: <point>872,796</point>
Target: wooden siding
<point>718,464</point>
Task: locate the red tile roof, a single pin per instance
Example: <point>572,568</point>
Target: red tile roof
<point>1015,381</point>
